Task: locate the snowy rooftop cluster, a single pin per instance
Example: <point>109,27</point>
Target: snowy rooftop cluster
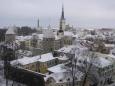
<point>60,72</point>
<point>29,37</point>
<point>61,75</point>
<point>64,77</point>
<point>23,38</point>
<point>99,60</point>
<point>73,49</point>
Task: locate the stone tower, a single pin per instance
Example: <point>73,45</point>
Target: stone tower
<point>10,35</point>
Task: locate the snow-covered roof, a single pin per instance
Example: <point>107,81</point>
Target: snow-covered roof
<point>46,57</point>
<point>68,33</point>
<point>66,49</point>
<point>40,36</point>
<point>73,48</point>
<point>63,57</point>
<point>10,31</point>
<point>24,61</point>
<point>109,57</point>
<point>23,38</point>
<point>112,56</point>
<point>61,77</point>
<point>102,62</point>
<point>58,68</point>
<point>27,60</point>
<point>55,28</point>
<point>57,37</point>
<point>34,34</point>
<point>29,37</point>
<point>110,45</point>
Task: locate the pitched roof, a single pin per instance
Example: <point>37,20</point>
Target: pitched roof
<point>10,31</point>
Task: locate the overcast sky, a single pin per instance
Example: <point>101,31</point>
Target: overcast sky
<point>81,13</point>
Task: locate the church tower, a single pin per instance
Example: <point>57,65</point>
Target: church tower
<point>10,35</point>
<point>38,25</point>
<point>62,24</point>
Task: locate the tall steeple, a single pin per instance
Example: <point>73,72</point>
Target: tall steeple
<point>62,20</point>
<point>62,24</point>
<point>62,16</point>
<point>38,24</point>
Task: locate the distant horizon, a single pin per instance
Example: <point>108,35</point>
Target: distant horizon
<point>79,13</point>
<point>7,27</point>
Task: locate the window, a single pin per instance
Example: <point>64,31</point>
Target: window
<point>60,80</point>
<point>47,63</point>
<point>106,57</point>
<point>84,62</point>
<point>75,78</point>
<point>101,82</point>
<point>79,61</point>
<point>68,79</point>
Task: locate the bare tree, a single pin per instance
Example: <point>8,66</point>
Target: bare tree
<point>71,66</point>
<point>85,65</point>
<point>88,69</point>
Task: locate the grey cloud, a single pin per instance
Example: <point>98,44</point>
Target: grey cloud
<point>86,13</point>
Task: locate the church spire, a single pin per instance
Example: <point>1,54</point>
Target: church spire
<point>62,15</point>
<point>38,24</point>
<point>62,24</point>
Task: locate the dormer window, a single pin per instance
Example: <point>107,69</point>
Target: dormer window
<point>79,61</point>
<point>60,80</point>
<point>106,57</point>
<point>68,79</point>
<point>84,62</point>
<point>75,78</point>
